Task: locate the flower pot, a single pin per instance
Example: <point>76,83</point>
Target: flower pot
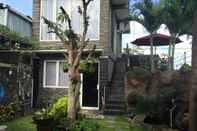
<point>43,124</point>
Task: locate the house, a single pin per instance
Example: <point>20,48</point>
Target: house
<point>15,67</point>
<point>15,20</point>
<point>108,21</point>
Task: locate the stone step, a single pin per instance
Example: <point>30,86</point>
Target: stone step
<point>119,95</point>
<point>115,106</point>
<point>116,101</point>
<point>116,91</point>
<point>117,83</point>
<point>114,112</point>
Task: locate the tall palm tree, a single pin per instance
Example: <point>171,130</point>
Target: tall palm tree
<point>149,14</point>
<point>176,18</point>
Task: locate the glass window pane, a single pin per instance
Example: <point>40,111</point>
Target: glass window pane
<point>66,4</point>
<point>47,12</point>
<point>76,17</point>
<point>93,12</point>
<point>63,76</point>
<point>50,73</point>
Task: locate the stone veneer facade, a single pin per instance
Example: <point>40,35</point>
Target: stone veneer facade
<point>103,46</point>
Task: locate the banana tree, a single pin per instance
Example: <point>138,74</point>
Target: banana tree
<point>149,14</point>
<point>75,44</point>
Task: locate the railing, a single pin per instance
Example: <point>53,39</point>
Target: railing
<point>110,70</point>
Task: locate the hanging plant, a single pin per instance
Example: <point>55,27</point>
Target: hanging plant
<point>88,66</point>
<point>85,66</point>
<point>66,66</point>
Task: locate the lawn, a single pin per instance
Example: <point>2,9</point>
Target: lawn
<point>117,123</point>
<point>21,124</point>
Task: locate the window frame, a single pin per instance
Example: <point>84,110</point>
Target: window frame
<point>55,16</point>
<point>57,62</point>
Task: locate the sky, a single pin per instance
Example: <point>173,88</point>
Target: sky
<point>24,6</point>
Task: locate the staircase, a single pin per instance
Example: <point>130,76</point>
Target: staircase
<point>115,101</point>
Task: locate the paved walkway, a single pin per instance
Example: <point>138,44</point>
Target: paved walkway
<point>117,123</point>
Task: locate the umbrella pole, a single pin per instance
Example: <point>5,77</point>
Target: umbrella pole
<point>151,51</point>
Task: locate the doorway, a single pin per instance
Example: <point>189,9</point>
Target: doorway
<point>89,91</point>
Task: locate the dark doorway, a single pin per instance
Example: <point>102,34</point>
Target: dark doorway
<point>36,68</point>
<point>90,92</point>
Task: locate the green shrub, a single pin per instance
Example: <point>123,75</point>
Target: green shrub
<point>185,68</point>
<point>42,114</point>
<point>138,72</point>
<point>132,98</point>
<point>59,106</point>
<point>147,105</point>
<point>23,42</point>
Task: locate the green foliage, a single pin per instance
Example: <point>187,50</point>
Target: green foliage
<point>139,72</point>
<point>155,107</point>
<point>177,17</point>
<point>147,13</point>
<point>132,98</point>
<point>59,106</point>
<point>9,112</point>
<point>23,42</point>
<point>87,66</point>
<point>21,124</point>
<point>146,105</point>
<point>86,125</point>
<point>42,114</point>
<point>185,68</point>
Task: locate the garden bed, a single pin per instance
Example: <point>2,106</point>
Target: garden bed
<point>106,124</point>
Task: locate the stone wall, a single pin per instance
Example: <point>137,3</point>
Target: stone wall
<point>16,80</point>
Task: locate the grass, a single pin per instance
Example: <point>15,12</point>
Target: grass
<point>21,124</point>
<point>118,123</point>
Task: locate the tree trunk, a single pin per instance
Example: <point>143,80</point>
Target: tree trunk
<point>151,51</point>
<point>169,55</point>
<point>193,89</point>
<point>74,80</point>
<point>173,51</point>
<point>72,111</point>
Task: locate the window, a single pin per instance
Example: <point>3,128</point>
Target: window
<point>50,9</point>
<point>54,76</point>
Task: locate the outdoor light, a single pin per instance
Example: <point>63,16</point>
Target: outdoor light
<point>10,72</point>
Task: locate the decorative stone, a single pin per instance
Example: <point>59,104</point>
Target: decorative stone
<point>3,128</point>
<point>139,119</point>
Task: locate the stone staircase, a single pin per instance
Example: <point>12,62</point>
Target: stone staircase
<point>115,101</point>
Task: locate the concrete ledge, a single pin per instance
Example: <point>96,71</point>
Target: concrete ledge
<point>3,128</point>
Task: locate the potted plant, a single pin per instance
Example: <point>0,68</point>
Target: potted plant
<point>43,119</point>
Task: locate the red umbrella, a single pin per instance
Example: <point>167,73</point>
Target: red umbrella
<point>158,40</point>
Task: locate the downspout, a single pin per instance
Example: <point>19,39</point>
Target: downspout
<point>151,51</point>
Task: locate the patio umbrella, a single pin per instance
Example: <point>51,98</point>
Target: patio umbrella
<point>158,40</point>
